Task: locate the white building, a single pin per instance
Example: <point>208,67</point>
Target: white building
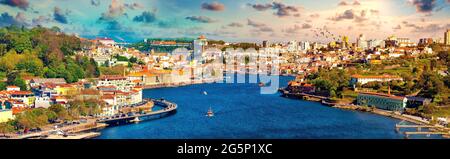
<point>361,42</point>
<point>199,47</point>
<point>366,79</point>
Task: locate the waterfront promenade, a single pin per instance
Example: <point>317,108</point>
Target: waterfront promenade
<point>88,129</point>
<point>168,107</point>
<point>437,129</point>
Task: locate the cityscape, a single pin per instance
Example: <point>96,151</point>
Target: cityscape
<point>123,69</point>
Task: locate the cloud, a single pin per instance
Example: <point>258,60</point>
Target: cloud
<point>254,23</point>
<point>342,3</point>
<point>22,4</point>
<point>115,9</point>
<point>8,20</point>
<point>351,14</point>
<point>145,17</point>
<point>306,26</point>
<point>281,10</point>
<point>200,19</point>
<point>133,6</point>
<point>315,15</point>
<point>234,24</point>
<point>348,14</point>
<point>424,6</point>
<point>95,2</point>
<point>432,28</point>
<point>40,20</point>
<point>215,6</point>
<point>261,27</point>
<point>59,16</point>
<point>296,28</point>
<point>117,31</point>
<point>397,27</point>
<point>260,7</point>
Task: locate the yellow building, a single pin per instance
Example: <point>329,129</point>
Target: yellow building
<point>6,115</point>
<point>66,89</point>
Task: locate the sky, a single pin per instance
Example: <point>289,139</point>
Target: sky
<point>234,20</point>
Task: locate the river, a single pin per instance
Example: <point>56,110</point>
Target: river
<point>242,112</point>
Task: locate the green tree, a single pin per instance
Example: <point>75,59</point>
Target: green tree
<point>133,59</point>
<point>60,110</point>
<point>3,86</point>
<point>6,128</point>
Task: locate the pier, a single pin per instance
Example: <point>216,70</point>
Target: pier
<point>419,130</point>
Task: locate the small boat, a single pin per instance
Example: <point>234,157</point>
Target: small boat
<point>261,84</point>
<point>205,93</point>
<point>210,113</point>
<point>136,119</point>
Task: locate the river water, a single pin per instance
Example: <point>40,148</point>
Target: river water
<point>242,112</point>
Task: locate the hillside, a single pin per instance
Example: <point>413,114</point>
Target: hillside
<point>42,52</point>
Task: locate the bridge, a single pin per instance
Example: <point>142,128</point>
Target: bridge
<point>168,108</point>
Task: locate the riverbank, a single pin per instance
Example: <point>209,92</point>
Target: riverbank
<point>386,113</point>
<point>179,84</point>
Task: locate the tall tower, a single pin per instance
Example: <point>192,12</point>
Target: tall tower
<point>345,42</point>
<point>199,47</point>
<point>265,44</point>
<point>361,42</point>
<point>447,37</point>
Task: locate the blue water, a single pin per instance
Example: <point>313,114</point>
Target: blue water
<point>241,112</point>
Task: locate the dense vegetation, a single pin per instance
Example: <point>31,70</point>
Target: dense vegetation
<point>42,52</point>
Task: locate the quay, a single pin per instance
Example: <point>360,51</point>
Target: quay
<point>303,96</point>
<point>92,126</point>
<point>169,109</point>
<point>88,135</point>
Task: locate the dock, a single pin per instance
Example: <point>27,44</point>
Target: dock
<point>418,127</point>
<point>420,132</point>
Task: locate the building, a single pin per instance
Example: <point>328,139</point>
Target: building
<point>404,42</point>
<point>304,45</point>
<point>121,82</point>
<point>361,42</point>
<point>375,43</point>
<point>292,46</point>
<point>414,102</point>
<point>106,41</point>
<point>35,82</point>
<point>265,44</point>
<point>26,97</point>
<point>382,101</point>
<point>5,115</point>
<point>199,47</point>
<point>366,79</point>
<point>425,41</point>
<point>447,37</point>
<point>345,42</point>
